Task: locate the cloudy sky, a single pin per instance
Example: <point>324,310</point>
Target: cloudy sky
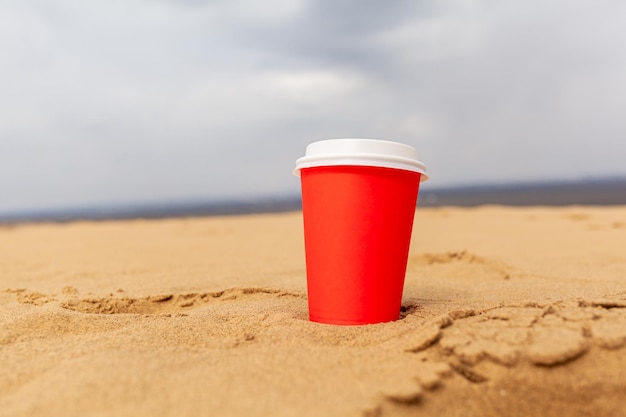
<point>122,101</point>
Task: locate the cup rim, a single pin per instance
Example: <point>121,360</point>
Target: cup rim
<point>361,152</point>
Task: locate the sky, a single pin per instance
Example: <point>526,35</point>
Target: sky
<point>132,101</point>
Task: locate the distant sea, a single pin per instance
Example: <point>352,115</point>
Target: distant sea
<point>600,192</point>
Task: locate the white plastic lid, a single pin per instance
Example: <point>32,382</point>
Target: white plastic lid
<point>362,152</point>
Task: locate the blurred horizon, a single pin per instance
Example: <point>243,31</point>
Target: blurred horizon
<point>606,191</point>
<point>111,104</point>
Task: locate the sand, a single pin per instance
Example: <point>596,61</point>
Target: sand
<point>506,311</point>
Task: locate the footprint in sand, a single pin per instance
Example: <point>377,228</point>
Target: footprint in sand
<point>68,313</point>
<point>478,346</point>
<point>153,304</point>
<point>31,297</point>
<point>449,263</point>
<point>542,335</point>
<point>577,217</point>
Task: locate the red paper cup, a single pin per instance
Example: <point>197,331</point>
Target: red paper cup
<point>358,202</point>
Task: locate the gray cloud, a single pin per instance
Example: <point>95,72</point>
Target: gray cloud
<point>139,100</point>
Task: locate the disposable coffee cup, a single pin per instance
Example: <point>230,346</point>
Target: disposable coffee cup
<point>358,204</point>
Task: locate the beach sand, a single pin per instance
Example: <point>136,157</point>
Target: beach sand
<point>506,311</point>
